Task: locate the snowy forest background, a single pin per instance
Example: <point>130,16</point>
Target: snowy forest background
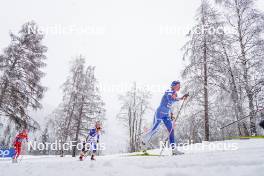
<point>223,72</point>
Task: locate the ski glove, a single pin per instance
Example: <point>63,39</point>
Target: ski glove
<point>185,96</point>
<point>172,116</point>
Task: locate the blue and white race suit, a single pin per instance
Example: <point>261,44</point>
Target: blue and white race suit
<point>93,139</point>
<point>163,114</point>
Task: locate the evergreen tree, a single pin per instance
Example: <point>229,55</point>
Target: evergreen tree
<point>201,50</point>
<point>82,104</point>
<point>21,74</point>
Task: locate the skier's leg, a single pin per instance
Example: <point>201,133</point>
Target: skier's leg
<point>15,155</point>
<point>154,128</point>
<point>82,152</point>
<point>168,123</point>
<point>18,150</point>
<point>94,147</point>
<point>81,155</point>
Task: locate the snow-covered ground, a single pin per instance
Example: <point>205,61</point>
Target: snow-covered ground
<point>247,160</point>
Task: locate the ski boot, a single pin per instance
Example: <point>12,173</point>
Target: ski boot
<point>93,157</point>
<point>176,152</point>
<point>14,160</point>
<point>81,156</point>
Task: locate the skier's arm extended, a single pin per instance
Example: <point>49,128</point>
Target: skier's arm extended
<point>175,98</point>
<point>171,97</point>
<point>184,97</point>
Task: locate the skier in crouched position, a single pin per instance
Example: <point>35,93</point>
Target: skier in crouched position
<point>91,142</point>
<point>164,114</point>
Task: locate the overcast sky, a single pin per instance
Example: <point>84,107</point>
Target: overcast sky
<point>137,40</point>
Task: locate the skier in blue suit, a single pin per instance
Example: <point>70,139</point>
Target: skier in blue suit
<point>92,140</point>
<point>163,114</point>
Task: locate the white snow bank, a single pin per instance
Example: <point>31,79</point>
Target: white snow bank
<point>247,160</point>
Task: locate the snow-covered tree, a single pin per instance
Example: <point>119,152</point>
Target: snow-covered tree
<point>246,29</point>
<point>90,106</point>
<point>201,50</point>
<point>81,106</point>
<point>134,105</point>
<point>20,80</point>
<point>234,76</point>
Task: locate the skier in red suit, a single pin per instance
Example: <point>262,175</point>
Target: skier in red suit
<point>18,143</point>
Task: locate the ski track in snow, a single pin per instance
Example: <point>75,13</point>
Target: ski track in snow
<point>248,160</point>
